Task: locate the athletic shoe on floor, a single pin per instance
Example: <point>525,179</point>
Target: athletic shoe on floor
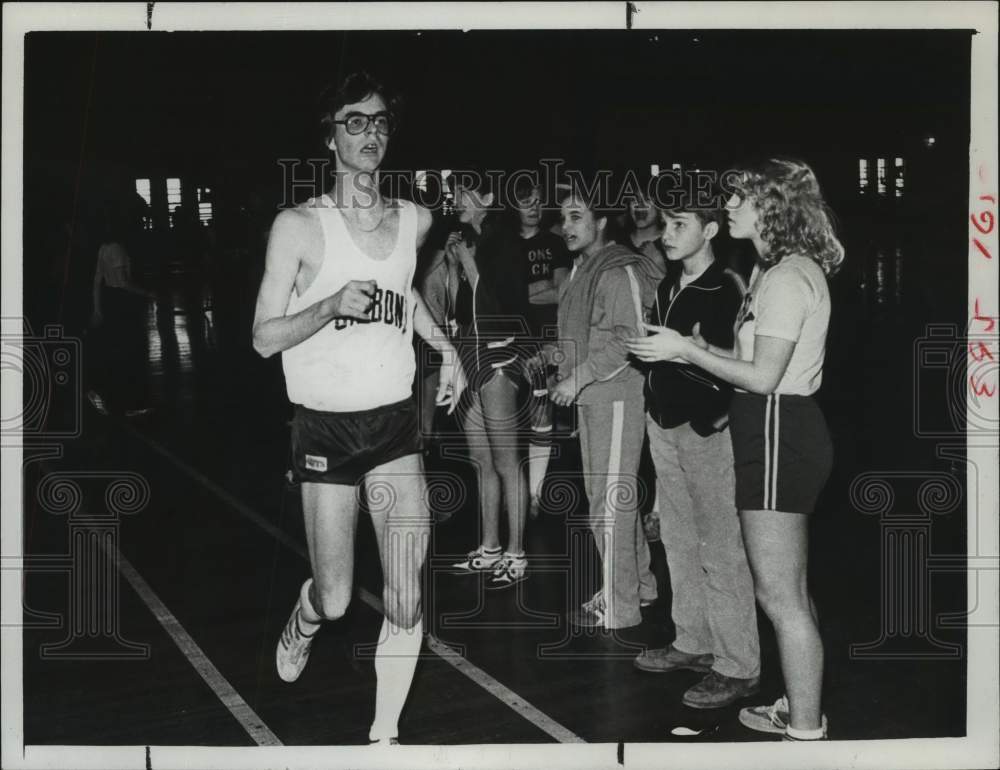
<point>293,647</point>
<point>97,402</point>
<point>663,660</point>
<point>394,741</point>
<point>717,691</point>
<point>771,719</point>
<point>478,561</point>
<point>583,617</point>
<point>508,571</point>
<point>590,614</point>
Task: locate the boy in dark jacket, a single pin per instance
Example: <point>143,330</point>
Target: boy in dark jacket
<point>713,596</point>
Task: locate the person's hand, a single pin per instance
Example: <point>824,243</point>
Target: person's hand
<point>662,345</point>
<point>451,384</point>
<point>565,391</point>
<point>354,300</point>
<point>532,364</point>
<point>696,337</point>
<point>449,252</point>
<point>465,255</point>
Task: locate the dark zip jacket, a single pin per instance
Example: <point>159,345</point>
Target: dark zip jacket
<point>492,316</point>
<point>677,393</point>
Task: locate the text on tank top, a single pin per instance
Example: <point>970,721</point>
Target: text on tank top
<point>349,364</point>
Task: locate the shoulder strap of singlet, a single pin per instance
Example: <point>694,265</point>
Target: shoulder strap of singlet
<point>407,235</point>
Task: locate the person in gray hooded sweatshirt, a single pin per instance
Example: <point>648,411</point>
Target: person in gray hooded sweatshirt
<point>601,305</point>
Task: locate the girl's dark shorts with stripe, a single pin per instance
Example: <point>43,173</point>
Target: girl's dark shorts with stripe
<point>782,452</point>
<point>341,447</point>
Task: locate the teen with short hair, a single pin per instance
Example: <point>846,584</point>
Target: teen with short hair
<point>781,445</point>
<point>687,417</point>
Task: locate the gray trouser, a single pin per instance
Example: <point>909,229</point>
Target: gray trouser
<point>610,442</point>
<point>713,595</point>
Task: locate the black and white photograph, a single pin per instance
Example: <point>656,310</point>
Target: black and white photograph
<point>500,385</point>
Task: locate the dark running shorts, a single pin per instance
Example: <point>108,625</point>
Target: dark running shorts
<point>341,447</point>
<point>782,452</point>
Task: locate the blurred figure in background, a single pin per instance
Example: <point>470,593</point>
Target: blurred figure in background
<point>118,330</point>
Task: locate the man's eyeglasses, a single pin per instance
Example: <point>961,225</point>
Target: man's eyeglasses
<point>358,122</point>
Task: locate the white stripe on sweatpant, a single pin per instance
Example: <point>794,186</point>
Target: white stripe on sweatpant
<point>767,453</point>
<point>610,512</point>
<point>774,459</point>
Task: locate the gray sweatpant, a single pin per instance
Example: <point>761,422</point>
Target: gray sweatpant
<point>610,442</point>
<point>713,595</point>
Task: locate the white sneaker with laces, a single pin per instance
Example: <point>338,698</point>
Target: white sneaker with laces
<point>292,653</point>
<point>508,571</point>
<point>771,719</point>
<point>480,560</point>
<point>590,614</point>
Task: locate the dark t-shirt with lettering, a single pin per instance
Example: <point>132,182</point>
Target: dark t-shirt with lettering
<point>543,253</point>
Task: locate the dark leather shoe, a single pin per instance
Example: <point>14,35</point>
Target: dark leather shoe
<point>718,690</point>
<point>666,659</point>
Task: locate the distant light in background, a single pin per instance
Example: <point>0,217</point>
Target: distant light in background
<point>880,176</point>
<point>900,169</point>
<point>205,206</point>
<point>144,190</point>
<point>675,166</point>
<point>142,187</point>
<point>421,181</point>
<point>654,169</point>
<point>929,141</point>
<point>173,197</point>
<point>863,181</point>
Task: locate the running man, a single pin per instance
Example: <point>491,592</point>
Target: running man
<point>337,302</point>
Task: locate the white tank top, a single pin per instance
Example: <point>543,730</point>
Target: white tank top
<point>351,365</point>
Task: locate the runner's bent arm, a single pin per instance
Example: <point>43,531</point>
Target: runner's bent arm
<point>273,331</point>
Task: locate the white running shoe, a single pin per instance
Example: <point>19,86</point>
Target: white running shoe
<point>508,571</point>
<point>293,646</point>
<point>771,719</point>
<point>478,561</point>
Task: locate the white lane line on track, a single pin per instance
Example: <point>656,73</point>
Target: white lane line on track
<point>226,693</point>
<point>508,697</point>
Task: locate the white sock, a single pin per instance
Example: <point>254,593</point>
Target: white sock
<point>308,615</point>
<point>395,661</point>
<point>806,735</point>
<point>538,464</point>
